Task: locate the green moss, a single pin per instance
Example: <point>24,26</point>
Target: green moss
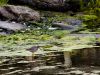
<point>19,42</point>
<point>30,37</point>
<point>90,21</point>
<point>89,17</point>
<point>3,2</point>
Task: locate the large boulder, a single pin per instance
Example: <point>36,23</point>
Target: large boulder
<point>18,13</point>
<point>58,5</point>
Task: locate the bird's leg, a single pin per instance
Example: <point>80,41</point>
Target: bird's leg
<point>32,56</point>
<point>29,58</point>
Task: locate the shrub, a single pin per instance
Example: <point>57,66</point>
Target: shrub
<point>3,2</point>
<point>89,17</point>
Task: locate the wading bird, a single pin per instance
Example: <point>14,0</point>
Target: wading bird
<point>32,49</point>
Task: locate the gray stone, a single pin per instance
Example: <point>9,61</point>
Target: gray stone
<point>77,72</point>
<point>14,72</point>
<point>73,21</point>
<point>86,74</point>
<point>70,24</point>
<point>94,74</point>
<point>4,70</point>
<point>11,26</point>
<point>45,69</point>
<point>18,13</point>
<point>96,71</point>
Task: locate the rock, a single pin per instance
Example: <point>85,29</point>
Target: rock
<point>45,69</point>
<point>73,68</point>
<point>3,33</point>
<point>48,69</point>
<point>57,5</point>
<point>73,21</point>
<point>52,28</point>
<point>4,71</point>
<point>14,72</point>
<point>63,26</point>
<point>86,74</point>
<point>5,61</point>
<point>96,71</point>
<point>26,62</point>
<point>77,72</point>
<point>42,4</point>
<point>12,68</point>
<point>8,28</point>
<point>62,73</point>
<point>94,74</point>
<point>36,69</point>
<point>18,13</point>
<point>70,24</point>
